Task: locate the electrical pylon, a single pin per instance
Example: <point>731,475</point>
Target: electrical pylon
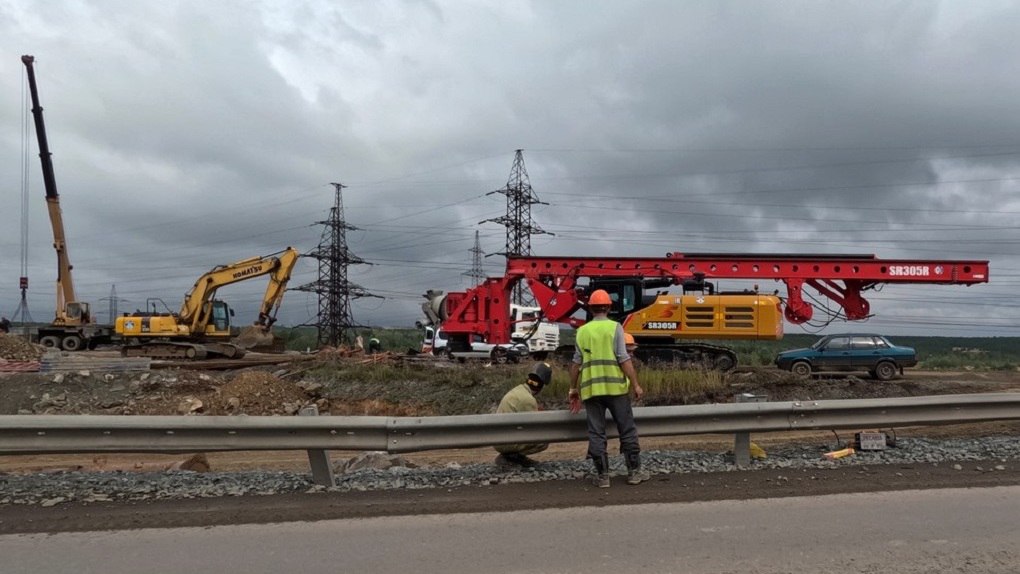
<point>335,322</point>
<point>518,222</point>
<point>476,272</point>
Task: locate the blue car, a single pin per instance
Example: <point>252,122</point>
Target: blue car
<point>849,352</point>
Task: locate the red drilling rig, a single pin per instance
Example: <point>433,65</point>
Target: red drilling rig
<point>669,326</point>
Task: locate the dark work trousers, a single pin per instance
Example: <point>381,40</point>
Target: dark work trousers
<point>618,406</point>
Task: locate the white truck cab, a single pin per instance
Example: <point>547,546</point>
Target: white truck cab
<point>436,343</point>
<point>540,336</point>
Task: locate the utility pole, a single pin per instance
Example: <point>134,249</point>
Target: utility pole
<point>518,222</point>
<point>335,323</point>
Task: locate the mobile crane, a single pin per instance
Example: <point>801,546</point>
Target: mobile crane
<point>202,327</point>
<point>668,326</point>
<point>73,327</point>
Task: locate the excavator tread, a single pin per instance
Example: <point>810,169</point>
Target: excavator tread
<point>165,350</point>
<point>700,355</point>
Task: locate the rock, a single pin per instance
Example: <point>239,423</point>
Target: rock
<point>195,463</point>
<point>189,405</point>
<point>310,387</point>
<point>373,459</point>
<point>52,501</point>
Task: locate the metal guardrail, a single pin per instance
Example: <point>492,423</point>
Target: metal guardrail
<point>38,434</point>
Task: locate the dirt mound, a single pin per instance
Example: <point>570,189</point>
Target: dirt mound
<point>257,393</point>
<point>17,349</point>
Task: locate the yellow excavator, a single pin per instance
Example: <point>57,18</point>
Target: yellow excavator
<point>201,328</point>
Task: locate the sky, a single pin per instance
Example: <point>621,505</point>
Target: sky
<point>191,134</point>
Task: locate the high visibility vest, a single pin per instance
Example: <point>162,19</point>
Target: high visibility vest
<point>601,374</point>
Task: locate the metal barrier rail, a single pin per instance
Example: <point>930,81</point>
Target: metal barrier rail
<point>38,434</point>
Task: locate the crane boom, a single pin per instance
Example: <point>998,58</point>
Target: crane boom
<point>68,309</point>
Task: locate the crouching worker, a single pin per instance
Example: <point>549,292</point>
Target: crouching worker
<point>521,399</point>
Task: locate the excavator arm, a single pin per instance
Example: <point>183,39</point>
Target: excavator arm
<point>278,280</point>
<point>196,310</point>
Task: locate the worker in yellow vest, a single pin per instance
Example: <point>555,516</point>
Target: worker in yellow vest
<point>603,377</point>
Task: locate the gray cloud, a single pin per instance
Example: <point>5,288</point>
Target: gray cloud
<point>193,134</point>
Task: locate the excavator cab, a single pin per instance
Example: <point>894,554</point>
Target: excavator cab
<point>628,294</point>
<point>220,314</point>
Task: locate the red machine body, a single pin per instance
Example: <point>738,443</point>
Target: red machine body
<point>556,283</point>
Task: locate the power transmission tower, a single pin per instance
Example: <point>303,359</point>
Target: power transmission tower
<point>518,222</point>
<point>113,300</point>
<point>335,323</point>
<point>476,272</point>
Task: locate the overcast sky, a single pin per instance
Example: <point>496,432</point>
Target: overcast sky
<point>190,134</point>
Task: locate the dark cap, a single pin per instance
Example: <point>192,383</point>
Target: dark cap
<point>541,373</point>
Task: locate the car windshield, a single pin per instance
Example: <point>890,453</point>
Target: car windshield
<point>819,343</point>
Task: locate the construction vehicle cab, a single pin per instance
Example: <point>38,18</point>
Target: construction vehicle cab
<point>675,327</point>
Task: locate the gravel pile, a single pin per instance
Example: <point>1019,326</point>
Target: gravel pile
<point>50,489</point>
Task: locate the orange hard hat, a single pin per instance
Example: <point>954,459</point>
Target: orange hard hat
<point>599,297</point>
<point>628,339</point>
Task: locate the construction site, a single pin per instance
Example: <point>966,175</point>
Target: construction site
<point>200,357</point>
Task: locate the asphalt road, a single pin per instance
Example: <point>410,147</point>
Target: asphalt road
<point>662,489</point>
<point>946,530</point>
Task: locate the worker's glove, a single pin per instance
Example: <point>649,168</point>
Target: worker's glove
<point>574,399</point>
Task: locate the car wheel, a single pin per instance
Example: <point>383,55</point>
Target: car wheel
<point>801,369</point>
<point>499,356</point>
<point>885,371</point>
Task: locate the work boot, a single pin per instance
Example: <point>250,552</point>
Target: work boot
<point>601,471</point>
<point>520,459</point>
<point>634,473</point>
<point>637,476</point>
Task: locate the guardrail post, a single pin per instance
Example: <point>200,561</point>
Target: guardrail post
<point>742,440</point>
<point>322,472</point>
<point>742,449</point>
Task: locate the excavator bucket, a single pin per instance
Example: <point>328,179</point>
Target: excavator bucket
<point>255,337</point>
